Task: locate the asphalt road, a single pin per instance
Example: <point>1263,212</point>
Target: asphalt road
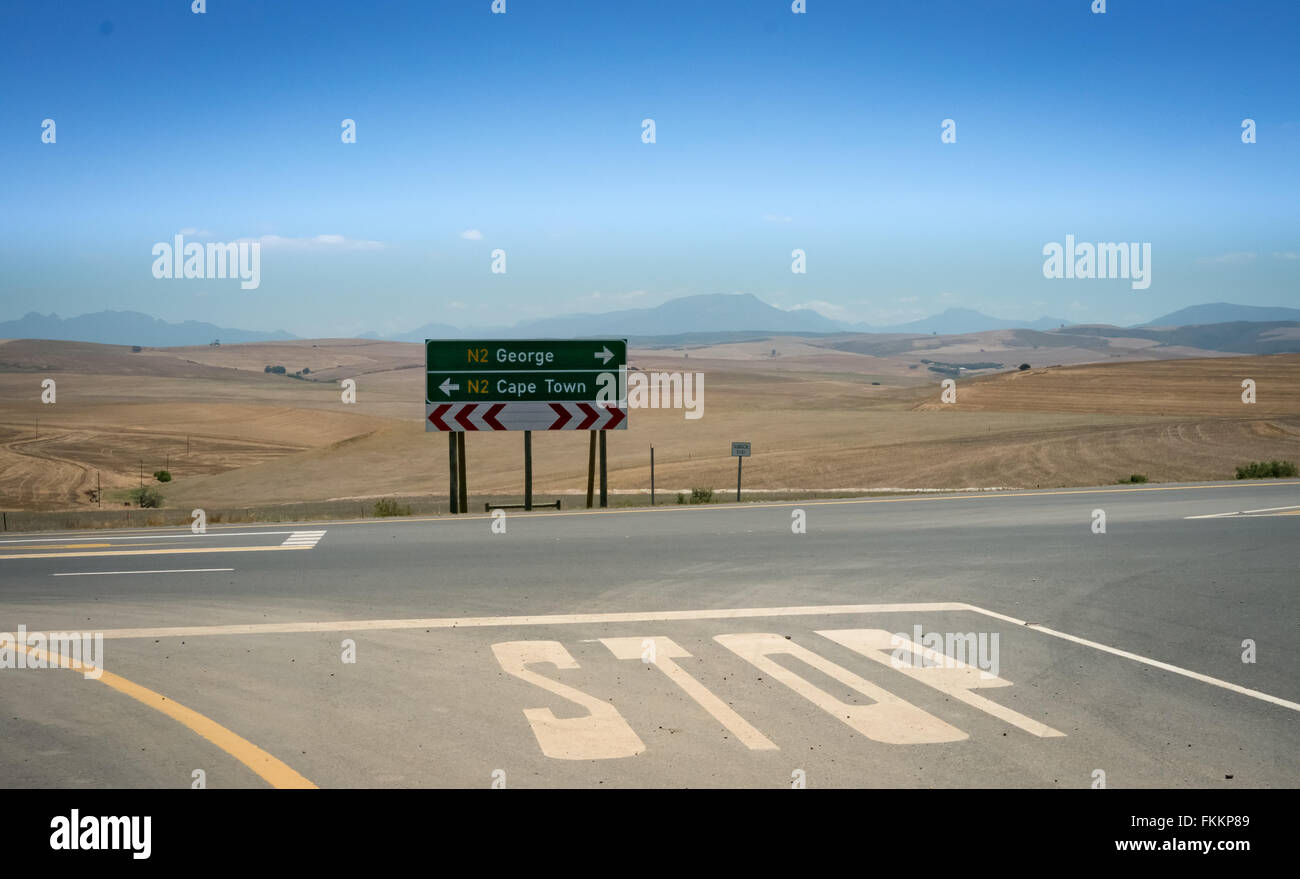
<point>679,646</point>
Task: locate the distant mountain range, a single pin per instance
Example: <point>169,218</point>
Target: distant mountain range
<point>707,313</point>
<point>1222,313</point>
<point>128,328</point>
<point>963,320</point>
<point>733,315</point>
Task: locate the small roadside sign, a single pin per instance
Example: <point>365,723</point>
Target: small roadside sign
<point>739,451</point>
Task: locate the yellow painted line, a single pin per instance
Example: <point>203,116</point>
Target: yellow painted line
<point>78,555</point>
<point>80,546</point>
<point>273,771</point>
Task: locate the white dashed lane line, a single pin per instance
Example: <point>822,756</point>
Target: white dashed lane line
<point>172,571</point>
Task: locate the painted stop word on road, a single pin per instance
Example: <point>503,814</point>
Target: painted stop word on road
<point>521,384</point>
<point>602,732</point>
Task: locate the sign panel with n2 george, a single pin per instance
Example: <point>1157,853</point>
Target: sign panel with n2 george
<point>525,384</point>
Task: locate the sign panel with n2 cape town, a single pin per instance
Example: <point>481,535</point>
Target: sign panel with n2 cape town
<point>523,384</point>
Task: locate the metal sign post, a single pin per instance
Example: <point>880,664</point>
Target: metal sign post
<point>461,464</point>
<point>453,494</point>
<point>591,470</point>
<point>528,469</point>
<point>604,484</point>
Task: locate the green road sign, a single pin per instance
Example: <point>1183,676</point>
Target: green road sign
<point>475,386</point>
<point>524,355</point>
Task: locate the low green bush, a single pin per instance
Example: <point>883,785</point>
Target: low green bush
<point>390,507</point>
<point>701,495</point>
<point>1267,470</point>
<point>146,497</point>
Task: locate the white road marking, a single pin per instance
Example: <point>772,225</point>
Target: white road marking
<point>665,616</point>
<point>888,719</point>
<point>173,571</point>
<point>1194,675</point>
<point>1243,512</point>
<point>303,538</point>
<point>601,734</point>
<point>945,674</point>
<point>539,620</point>
<point>665,651</point>
<point>160,536</point>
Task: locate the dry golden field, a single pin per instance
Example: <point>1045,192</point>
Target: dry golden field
<point>816,422</point>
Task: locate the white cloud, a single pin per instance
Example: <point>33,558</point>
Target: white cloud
<point>883,317</point>
<point>610,301</point>
<point>825,309</point>
<point>1289,255</point>
<point>472,235</point>
<point>776,218</point>
<point>908,299</point>
<point>192,232</point>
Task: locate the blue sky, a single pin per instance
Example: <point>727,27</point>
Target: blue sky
<point>775,131</point>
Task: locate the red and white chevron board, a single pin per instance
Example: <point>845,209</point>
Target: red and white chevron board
<point>523,416</point>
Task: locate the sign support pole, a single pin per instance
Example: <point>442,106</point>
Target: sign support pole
<point>591,469</point>
<point>740,465</point>
<point>528,470</point>
<point>461,462</point>
<point>652,476</point>
<point>604,483</point>
<point>453,493</point>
